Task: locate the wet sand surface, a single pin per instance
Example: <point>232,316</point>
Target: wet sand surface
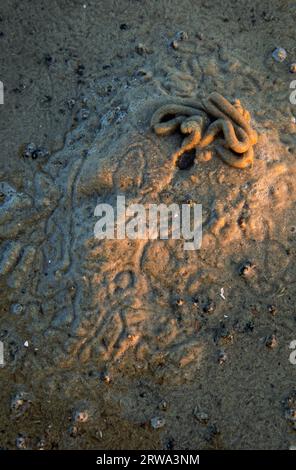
<point>139,344</point>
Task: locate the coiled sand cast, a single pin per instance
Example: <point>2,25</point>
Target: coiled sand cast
<point>231,126</point>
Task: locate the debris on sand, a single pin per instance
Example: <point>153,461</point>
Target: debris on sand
<point>16,309</point>
<point>279,54</point>
<point>30,150</point>
<point>179,36</point>
<point>105,377</point>
<point>20,403</point>
<point>290,410</point>
<point>157,423</point>
<point>163,405</point>
<point>209,306</point>
<point>222,357</point>
<point>201,416</point>
<point>247,269</point>
<point>272,310</point>
<point>83,114</point>
<point>142,49</point>
<point>80,416</point>
<point>271,342</point>
<point>21,443</point>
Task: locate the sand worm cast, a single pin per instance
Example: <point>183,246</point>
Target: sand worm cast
<point>202,122</point>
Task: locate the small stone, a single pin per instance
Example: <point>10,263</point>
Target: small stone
<point>83,114</point>
<point>290,415</point>
<point>81,416</point>
<point>71,103</point>
<point>29,149</point>
<point>41,444</point>
<point>145,74</point>
<point>291,401</point>
<point>141,49</point>
<point>163,405</point>
<point>181,36</point>
<point>174,44</point>
<point>201,416</point>
<point>209,307</point>
<point>271,342</point>
<point>222,357</point>
<point>247,269</point>
<point>205,156</point>
<point>293,68</point>
<point>40,152</point>
<point>272,309</point>
<point>179,302</point>
<point>157,422</point>
<point>16,309</point>
<point>279,54</point>
<point>17,403</point>
<point>20,403</point>
<point>73,431</point>
<point>194,179</point>
<point>195,301</point>
<point>21,442</point>
<point>105,376</point>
